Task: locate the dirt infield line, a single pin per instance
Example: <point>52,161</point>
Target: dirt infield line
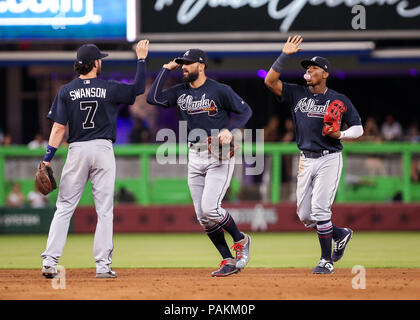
<point>197,284</point>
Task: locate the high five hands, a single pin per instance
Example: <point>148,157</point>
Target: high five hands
<point>142,49</point>
<point>292,45</point>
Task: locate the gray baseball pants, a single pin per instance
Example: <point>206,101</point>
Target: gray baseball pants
<point>208,181</point>
<point>92,160</point>
<point>317,184</point>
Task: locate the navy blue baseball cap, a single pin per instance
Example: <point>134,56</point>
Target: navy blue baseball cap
<point>89,53</point>
<point>193,55</point>
<point>317,61</point>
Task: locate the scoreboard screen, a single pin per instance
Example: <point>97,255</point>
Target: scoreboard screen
<point>67,20</point>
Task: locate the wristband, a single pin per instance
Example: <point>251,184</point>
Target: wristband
<point>49,154</point>
<point>279,63</point>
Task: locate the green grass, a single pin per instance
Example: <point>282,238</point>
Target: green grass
<point>194,250</point>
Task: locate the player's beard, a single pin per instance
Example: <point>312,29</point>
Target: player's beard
<point>190,77</point>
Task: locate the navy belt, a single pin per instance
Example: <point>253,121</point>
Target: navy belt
<point>316,154</point>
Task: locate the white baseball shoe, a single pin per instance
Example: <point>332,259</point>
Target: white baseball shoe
<point>110,274</point>
<point>49,272</point>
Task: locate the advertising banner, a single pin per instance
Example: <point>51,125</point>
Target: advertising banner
<point>26,220</point>
<point>67,19</point>
<point>251,216</point>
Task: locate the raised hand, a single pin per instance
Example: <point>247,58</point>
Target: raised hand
<point>292,45</point>
<point>142,49</point>
<point>172,65</point>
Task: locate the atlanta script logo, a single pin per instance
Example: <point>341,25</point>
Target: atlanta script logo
<point>309,106</point>
<point>186,103</point>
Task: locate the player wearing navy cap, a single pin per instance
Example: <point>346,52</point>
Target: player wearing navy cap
<point>320,162</point>
<point>206,105</point>
<point>89,106</point>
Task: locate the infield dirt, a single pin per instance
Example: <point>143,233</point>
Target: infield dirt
<point>197,284</point>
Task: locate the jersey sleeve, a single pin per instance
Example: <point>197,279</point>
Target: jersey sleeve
<point>127,93</point>
<point>157,95</point>
<point>122,93</point>
<point>288,92</point>
<point>351,117</point>
<point>58,112</point>
<point>233,102</point>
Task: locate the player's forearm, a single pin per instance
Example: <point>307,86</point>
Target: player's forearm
<point>272,80</point>
<point>57,134</point>
<point>140,78</point>
<point>155,95</point>
<point>353,132</point>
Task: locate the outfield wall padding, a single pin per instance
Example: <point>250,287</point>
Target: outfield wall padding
<point>251,216</point>
<point>27,220</point>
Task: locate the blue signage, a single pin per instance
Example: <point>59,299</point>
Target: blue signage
<point>67,19</point>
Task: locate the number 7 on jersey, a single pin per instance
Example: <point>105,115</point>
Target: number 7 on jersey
<point>91,106</point>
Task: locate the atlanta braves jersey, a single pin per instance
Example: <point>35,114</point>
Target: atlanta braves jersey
<point>90,106</point>
<point>207,107</point>
<point>308,110</point>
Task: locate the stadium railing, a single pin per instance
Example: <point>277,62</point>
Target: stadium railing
<point>175,190</point>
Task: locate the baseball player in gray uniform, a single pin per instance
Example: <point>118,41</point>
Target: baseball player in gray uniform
<point>206,105</point>
<point>89,106</point>
<point>320,151</point>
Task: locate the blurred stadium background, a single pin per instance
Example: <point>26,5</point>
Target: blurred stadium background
<point>375,62</point>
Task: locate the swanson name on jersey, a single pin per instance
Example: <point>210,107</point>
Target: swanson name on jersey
<point>88,93</point>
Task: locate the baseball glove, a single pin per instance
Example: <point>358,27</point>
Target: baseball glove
<point>219,150</point>
<point>332,117</point>
<point>44,179</point>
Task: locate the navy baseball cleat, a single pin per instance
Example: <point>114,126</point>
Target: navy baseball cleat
<point>340,245</point>
<point>49,272</point>
<point>227,267</point>
<point>242,251</point>
<point>324,267</point>
<point>110,274</point>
